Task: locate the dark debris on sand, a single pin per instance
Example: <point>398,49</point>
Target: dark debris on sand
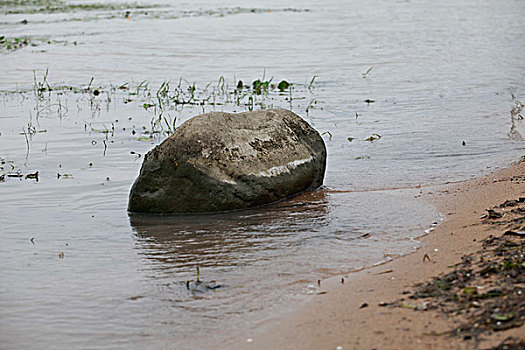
<point>485,292</point>
<point>510,343</point>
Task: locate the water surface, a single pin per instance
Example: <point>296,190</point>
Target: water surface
<point>441,73</point>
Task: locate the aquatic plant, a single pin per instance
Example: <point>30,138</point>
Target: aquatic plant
<point>368,71</point>
<point>99,10</point>
<point>166,104</point>
<point>12,44</point>
<point>311,84</point>
<point>60,6</point>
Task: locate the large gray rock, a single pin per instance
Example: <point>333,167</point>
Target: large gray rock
<point>221,161</point>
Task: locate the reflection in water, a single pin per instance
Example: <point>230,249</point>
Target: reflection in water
<point>229,239</point>
<point>247,253</point>
<point>265,257</point>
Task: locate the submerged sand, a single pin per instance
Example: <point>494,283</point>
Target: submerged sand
<point>380,308</point>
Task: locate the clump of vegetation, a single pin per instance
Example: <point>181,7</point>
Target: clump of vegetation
<point>16,43</point>
<point>60,6</point>
<point>8,169</point>
<point>167,104</point>
<point>12,44</point>
<point>264,86</point>
<point>486,288</point>
<point>261,86</point>
<point>169,97</point>
<point>128,10</point>
<point>283,85</point>
<point>510,343</point>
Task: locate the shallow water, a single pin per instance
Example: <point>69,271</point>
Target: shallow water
<point>442,73</point>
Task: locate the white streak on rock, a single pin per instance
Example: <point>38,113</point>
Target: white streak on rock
<point>283,169</point>
<point>228,181</point>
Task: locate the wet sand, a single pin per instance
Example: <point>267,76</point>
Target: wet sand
<point>349,315</point>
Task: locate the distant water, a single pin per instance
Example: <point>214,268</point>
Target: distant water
<point>439,73</point>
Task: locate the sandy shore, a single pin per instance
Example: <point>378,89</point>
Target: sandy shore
<point>353,315</point>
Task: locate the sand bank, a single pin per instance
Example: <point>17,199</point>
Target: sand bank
<point>372,309</point>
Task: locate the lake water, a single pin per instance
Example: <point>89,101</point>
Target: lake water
<point>77,271</point>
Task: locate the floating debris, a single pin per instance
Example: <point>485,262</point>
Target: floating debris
<point>420,307</point>
<point>365,74</point>
<point>373,137</point>
<point>12,44</point>
<point>515,233</point>
<point>33,176</point>
<point>327,133</point>
<point>493,214</point>
<point>64,176</point>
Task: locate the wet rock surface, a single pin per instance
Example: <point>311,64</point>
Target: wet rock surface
<point>220,161</point>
